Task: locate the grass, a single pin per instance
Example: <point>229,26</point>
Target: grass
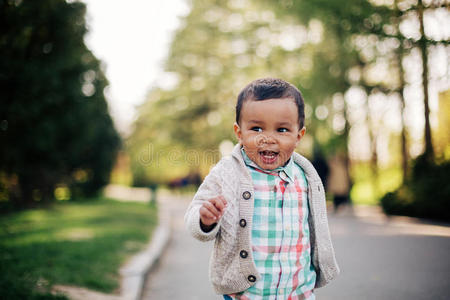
<point>74,243</point>
<point>368,189</point>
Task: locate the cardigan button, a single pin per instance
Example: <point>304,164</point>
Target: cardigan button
<point>243,223</point>
<point>246,195</point>
<point>243,254</point>
<point>251,278</point>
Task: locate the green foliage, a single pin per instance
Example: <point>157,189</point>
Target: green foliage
<point>80,244</point>
<point>326,48</point>
<point>309,43</point>
<point>368,188</point>
<point>55,121</point>
<point>221,47</point>
<point>426,194</point>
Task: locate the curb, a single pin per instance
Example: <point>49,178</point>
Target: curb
<point>135,271</point>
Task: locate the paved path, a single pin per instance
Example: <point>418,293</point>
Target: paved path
<point>182,272</point>
<point>386,259</point>
<point>380,258</point>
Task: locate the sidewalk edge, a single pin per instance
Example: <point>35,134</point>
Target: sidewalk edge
<point>135,271</point>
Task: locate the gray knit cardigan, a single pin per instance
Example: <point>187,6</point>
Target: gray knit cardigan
<point>228,271</point>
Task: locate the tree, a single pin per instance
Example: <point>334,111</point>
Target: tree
<point>222,46</point>
<point>407,11</point>
<point>55,123</point>
<point>379,23</point>
<point>337,54</point>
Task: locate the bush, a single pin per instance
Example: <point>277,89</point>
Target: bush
<point>425,194</point>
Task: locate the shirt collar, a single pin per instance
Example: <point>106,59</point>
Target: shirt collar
<point>286,169</point>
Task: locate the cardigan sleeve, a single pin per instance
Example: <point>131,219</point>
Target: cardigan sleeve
<point>211,187</point>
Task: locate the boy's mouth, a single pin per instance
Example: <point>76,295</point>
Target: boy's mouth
<point>268,157</point>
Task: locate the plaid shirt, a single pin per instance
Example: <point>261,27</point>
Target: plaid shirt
<point>280,234</point>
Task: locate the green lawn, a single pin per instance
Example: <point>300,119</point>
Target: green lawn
<point>75,243</point>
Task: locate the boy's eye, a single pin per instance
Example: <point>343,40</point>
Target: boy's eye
<point>283,130</point>
<point>257,129</point>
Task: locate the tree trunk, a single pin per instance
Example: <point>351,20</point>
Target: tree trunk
<point>25,196</point>
<point>347,156</point>
<point>404,149</point>
<point>373,145</point>
<point>429,152</point>
<point>399,58</point>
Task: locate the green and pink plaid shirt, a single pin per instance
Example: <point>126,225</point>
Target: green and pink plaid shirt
<point>280,234</point>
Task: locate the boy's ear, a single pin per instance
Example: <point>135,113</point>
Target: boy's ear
<point>300,134</point>
<point>237,131</point>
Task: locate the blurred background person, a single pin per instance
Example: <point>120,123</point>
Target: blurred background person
<point>338,181</point>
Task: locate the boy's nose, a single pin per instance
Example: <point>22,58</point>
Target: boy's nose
<point>265,139</point>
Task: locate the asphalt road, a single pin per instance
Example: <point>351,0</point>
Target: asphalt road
<point>380,258</point>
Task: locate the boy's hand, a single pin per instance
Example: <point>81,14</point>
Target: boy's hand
<point>212,210</point>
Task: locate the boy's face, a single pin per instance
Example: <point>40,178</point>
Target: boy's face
<point>269,131</point>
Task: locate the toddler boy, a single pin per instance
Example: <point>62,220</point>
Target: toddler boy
<point>265,204</point>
